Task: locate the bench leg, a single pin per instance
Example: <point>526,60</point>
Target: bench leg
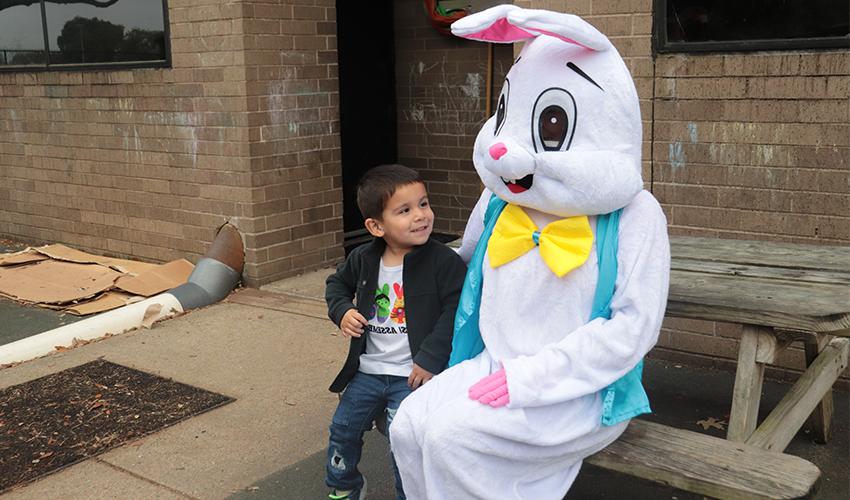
<point>791,413</point>
<point>821,418</point>
<point>748,383</point>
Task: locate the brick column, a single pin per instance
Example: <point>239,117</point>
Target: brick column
<point>294,223</point>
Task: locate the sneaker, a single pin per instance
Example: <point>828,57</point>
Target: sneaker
<point>356,494</point>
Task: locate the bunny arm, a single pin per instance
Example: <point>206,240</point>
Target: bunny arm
<point>474,227</point>
<point>598,353</point>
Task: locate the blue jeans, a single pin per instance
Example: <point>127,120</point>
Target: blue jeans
<point>364,399</point>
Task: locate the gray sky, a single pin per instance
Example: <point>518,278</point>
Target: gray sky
<point>20,27</point>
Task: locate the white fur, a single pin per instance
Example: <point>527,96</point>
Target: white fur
<point>534,324</point>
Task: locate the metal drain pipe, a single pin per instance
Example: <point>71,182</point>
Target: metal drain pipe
<point>215,276</point>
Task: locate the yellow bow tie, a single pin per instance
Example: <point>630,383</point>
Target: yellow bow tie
<point>564,244</point>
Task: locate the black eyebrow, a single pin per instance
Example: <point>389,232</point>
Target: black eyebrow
<point>583,75</point>
<point>517,59</point>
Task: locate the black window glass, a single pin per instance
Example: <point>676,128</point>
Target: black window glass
<point>83,32</point>
<point>21,38</point>
<point>88,32</point>
<point>754,24</point>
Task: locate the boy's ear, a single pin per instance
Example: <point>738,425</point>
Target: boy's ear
<point>374,227</point>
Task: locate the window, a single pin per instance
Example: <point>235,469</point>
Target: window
<point>64,34</point>
<point>729,25</point>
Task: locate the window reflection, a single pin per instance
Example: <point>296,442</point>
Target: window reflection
<point>81,32</point>
<point>739,20</point>
<point>21,39</point>
<point>105,31</point>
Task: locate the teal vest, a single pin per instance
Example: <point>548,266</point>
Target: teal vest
<point>622,400</point>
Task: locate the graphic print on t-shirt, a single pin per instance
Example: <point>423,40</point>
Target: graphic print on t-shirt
<point>381,308</point>
<point>397,313</point>
<point>387,348</point>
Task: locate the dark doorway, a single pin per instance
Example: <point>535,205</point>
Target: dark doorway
<point>366,100</point>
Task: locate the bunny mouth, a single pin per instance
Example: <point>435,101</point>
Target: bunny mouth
<point>519,185</point>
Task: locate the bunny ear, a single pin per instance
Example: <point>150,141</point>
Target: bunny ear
<point>398,290</point>
<point>567,27</point>
<point>491,25</point>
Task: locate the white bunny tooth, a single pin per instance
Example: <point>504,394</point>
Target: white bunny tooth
<point>550,144</point>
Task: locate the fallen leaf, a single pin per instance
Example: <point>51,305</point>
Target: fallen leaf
<point>151,315</point>
<point>712,422</point>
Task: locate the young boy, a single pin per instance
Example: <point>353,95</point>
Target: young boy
<point>407,287</point>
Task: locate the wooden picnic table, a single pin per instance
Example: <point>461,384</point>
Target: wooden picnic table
<point>781,293</point>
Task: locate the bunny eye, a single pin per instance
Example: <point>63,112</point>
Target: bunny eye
<point>502,107</point>
<point>500,113</point>
<point>553,123</point>
<point>553,120</point>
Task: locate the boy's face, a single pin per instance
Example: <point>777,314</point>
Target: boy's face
<point>407,219</point>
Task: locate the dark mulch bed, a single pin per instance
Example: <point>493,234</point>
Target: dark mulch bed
<point>61,419</point>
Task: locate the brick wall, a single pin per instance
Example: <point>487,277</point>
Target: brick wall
<point>295,221</point>
<point>148,163</point>
<point>441,102</point>
<point>753,146</point>
<point>144,163</point>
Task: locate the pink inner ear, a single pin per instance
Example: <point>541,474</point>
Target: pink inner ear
<point>501,31</point>
<point>561,37</point>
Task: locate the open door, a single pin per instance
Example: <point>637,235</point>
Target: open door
<point>367,100</point>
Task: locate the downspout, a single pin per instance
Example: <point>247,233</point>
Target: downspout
<point>213,278</point>
<point>216,274</point>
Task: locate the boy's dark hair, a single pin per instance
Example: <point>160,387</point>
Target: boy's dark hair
<point>378,184</point>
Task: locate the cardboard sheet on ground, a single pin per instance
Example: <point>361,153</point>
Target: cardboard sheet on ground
<point>62,278</point>
<point>104,302</point>
<point>158,279</point>
<point>61,252</point>
<point>55,282</point>
<point>22,257</point>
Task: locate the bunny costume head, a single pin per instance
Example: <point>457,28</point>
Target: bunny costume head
<point>566,136</point>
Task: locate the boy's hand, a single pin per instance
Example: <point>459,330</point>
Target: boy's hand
<point>418,376</point>
<point>352,324</point>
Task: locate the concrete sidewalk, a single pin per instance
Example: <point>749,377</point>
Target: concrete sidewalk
<point>276,355</point>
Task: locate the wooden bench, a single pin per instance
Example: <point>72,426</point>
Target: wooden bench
<point>706,465</point>
<point>701,464</point>
<point>781,293</point>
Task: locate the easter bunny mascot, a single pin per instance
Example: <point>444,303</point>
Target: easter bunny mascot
<point>568,272</point>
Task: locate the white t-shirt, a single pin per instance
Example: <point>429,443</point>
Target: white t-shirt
<point>387,347</point>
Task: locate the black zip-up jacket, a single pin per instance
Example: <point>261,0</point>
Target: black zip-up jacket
<point>433,277</point>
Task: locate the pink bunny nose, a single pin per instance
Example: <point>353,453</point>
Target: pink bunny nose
<point>498,150</point>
